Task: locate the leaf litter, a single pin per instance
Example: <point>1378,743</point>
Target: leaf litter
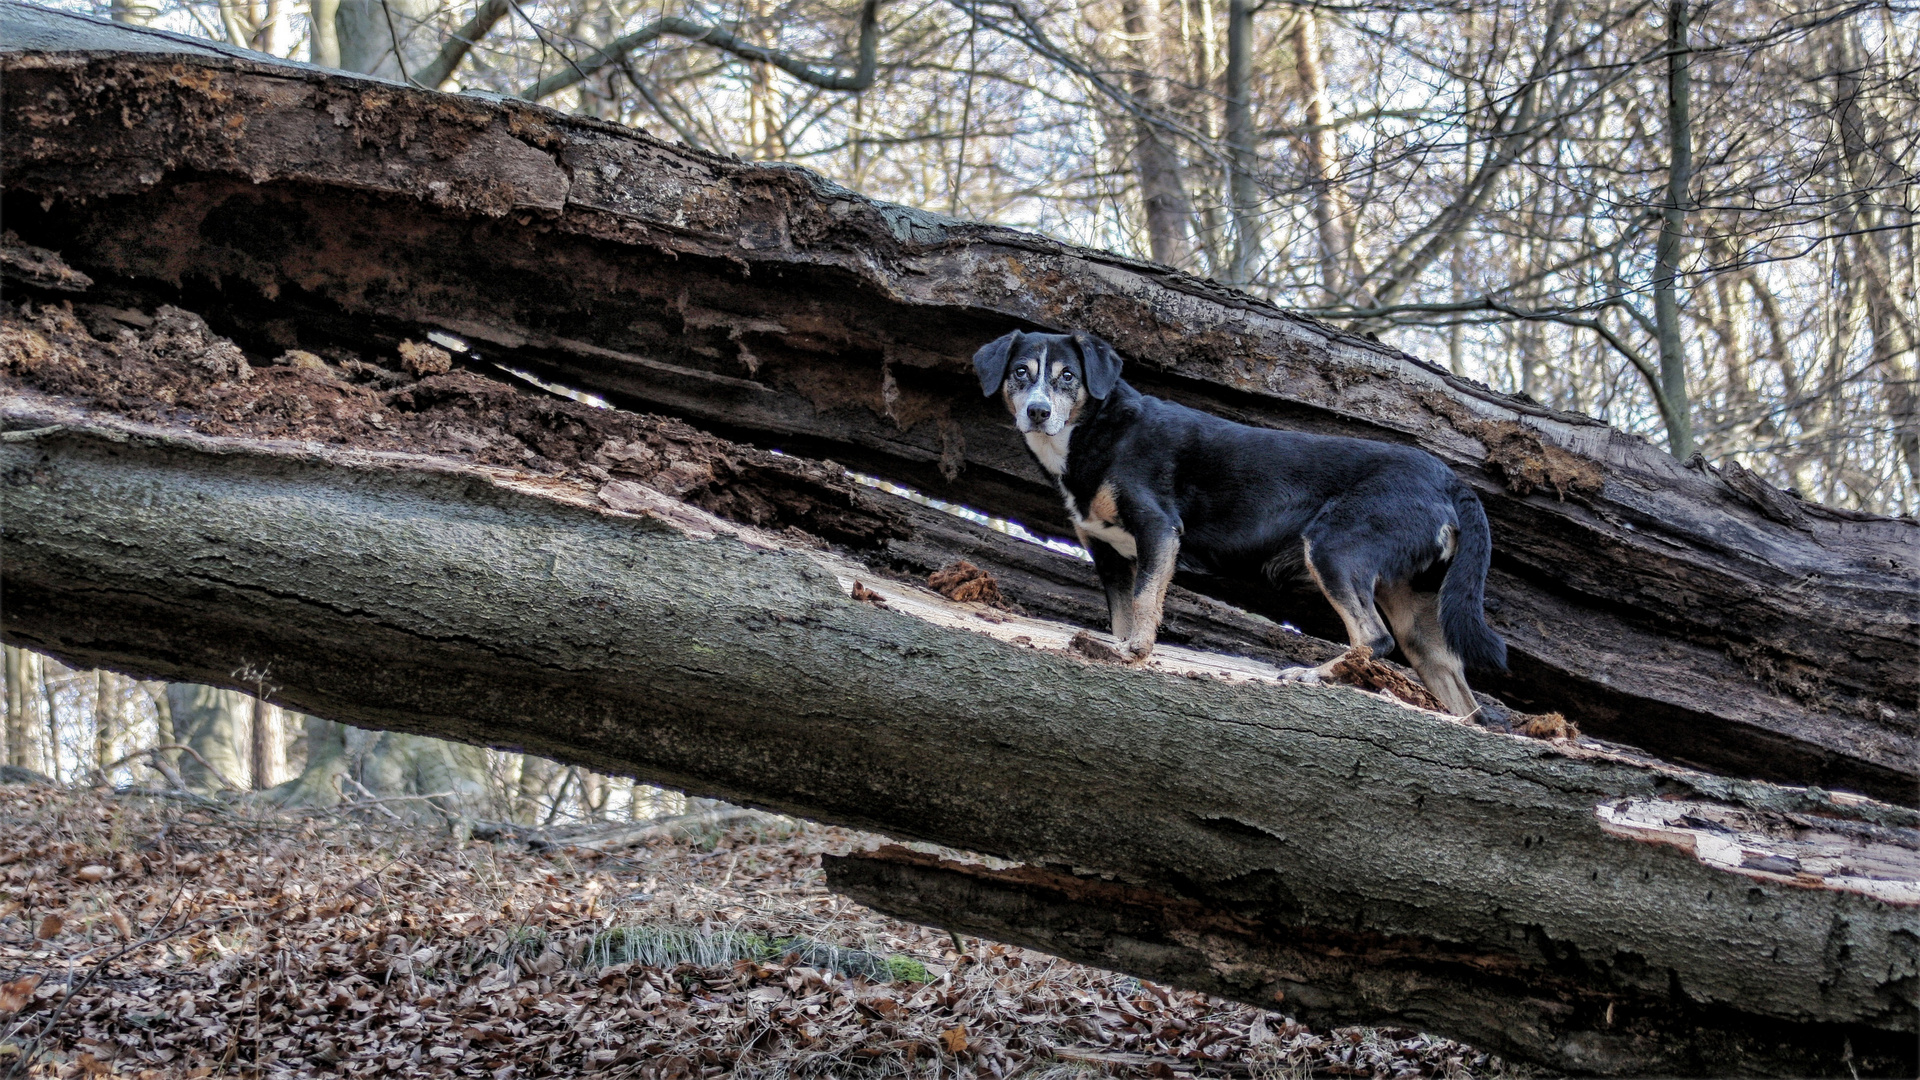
<point>156,937</point>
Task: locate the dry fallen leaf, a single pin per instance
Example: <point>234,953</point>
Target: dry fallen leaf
<point>50,927</point>
<point>92,874</point>
<point>15,995</point>
<point>504,962</point>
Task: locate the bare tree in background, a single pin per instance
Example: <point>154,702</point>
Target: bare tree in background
<point>217,726</point>
<point>19,738</point>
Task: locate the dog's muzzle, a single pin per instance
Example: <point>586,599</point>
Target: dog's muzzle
<point>1038,414</point>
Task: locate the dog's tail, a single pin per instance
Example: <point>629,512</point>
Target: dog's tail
<point>1463,590</point>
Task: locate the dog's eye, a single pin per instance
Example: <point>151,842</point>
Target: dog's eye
<point>1019,376</point>
<point>1065,381</point>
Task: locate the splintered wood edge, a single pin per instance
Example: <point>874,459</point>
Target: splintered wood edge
<point>1750,844</point>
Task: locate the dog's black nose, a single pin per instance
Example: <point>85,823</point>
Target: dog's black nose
<point>1039,413</point>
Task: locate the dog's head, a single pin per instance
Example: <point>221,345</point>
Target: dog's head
<point>1047,379</point>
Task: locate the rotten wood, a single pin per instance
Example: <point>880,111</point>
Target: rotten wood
<point>1673,607</point>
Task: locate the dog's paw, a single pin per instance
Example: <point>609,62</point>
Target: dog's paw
<point>1309,676</point>
<point>1136,652</point>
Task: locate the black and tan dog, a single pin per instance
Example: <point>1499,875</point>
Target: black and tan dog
<point>1382,529</point>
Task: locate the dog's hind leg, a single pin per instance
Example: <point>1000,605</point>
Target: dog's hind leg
<point>1347,583</point>
<point>1415,618</point>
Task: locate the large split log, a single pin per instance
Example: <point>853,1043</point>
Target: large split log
<point>1688,610</point>
<point>1370,861</point>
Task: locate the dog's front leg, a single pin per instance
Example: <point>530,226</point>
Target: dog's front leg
<point>1116,577</point>
<point>1159,550</point>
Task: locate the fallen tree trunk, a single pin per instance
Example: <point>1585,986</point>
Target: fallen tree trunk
<point>1692,612</point>
<point>609,625</point>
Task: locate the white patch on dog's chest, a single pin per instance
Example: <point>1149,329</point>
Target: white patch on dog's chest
<point>1051,449</point>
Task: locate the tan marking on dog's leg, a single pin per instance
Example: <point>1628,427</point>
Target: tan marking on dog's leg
<point>1150,599</point>
<point>1362,622</point>
<point>1415,618</point>
<point>1104,507</point>
<point>1356,612</point>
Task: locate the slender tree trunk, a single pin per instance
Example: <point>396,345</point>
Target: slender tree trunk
<point>1243,190</point>
<point>106,718</point>
<point>272,28</point>
<point>44,680</point>
<point>19,735</point>
<point>1891,324</point>
<point>530,789</point>
<point>1674,407</point>
<point>260,738</point>
<point>593,795</point>
<point>323,46</point>
<point>1330,211</point>
<point>214,723</point>
<point>162,715</point>
<point>1163,185</point>
<point>388,38</point>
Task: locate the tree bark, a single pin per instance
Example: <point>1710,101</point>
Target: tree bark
<point>106,717</point>
<point>1332,216</point>
<point>1659,605</point>
<point>1156,158</point>
<point>216,723</point>
<point>394,39</point>
<point>1672,398</point>
<point>19,736</point>
<point>1242,144</point>
<point>657,641</point>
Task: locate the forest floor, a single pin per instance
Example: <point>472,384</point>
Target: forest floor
<point>149,935</point>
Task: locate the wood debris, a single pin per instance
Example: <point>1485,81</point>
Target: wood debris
<point>967,583</point>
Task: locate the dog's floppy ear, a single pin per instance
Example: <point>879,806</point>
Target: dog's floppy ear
<point>990,363</point>
<point>1101,363</point>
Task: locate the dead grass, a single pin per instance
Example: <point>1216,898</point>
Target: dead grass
<point>148,936</point>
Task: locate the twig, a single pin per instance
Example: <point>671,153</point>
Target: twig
<point>391,798</point>
<point>167,770</point>
<point>372,799</point>
<point>667,826</point>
